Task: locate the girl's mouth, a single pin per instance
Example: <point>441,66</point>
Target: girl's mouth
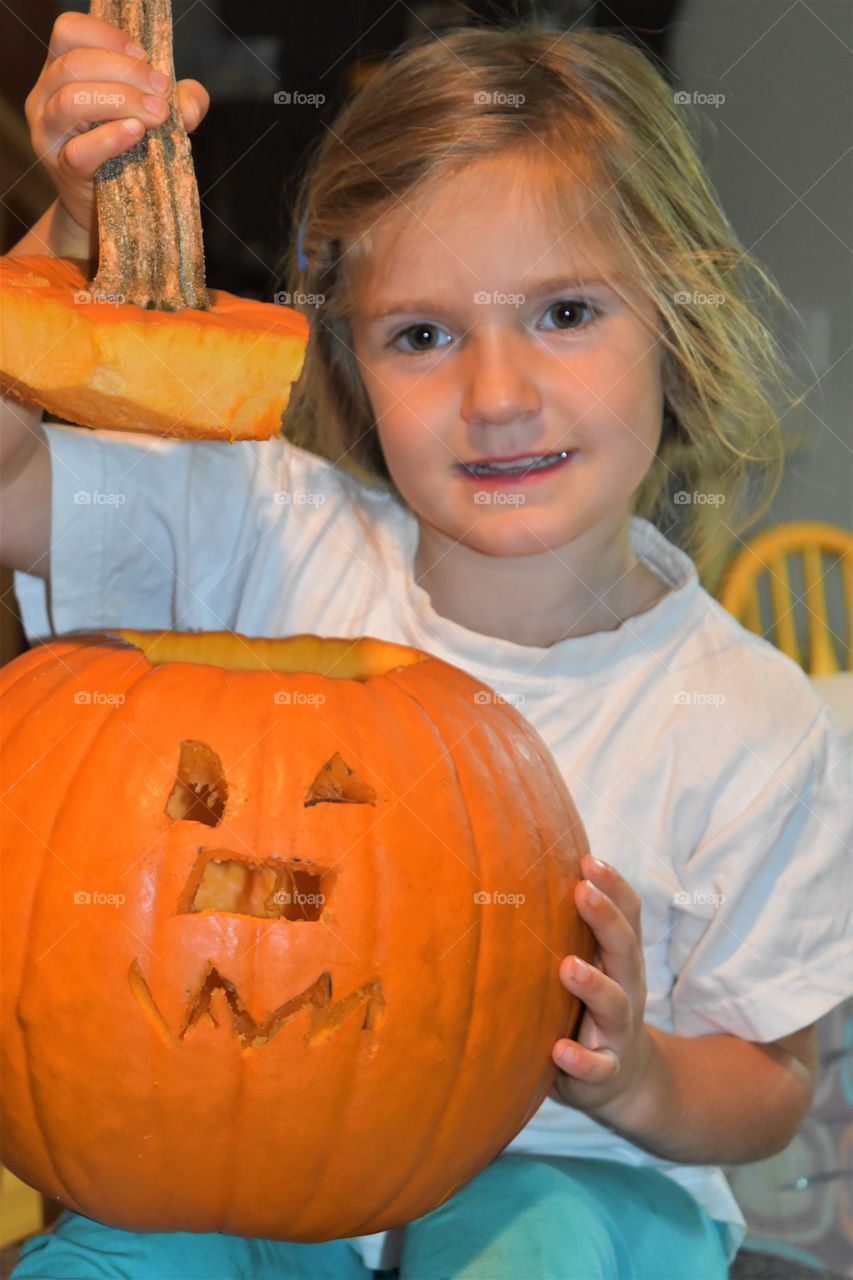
<point>527,469</point>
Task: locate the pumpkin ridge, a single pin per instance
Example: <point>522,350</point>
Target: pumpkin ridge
<point>398,682</point>
<point>109,711</point>
<point>359,693</point>
<point>528,1085</point>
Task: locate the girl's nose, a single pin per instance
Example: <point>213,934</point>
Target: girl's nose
<point>499,381</point>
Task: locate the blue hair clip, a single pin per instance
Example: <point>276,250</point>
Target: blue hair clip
<point>301,260</point>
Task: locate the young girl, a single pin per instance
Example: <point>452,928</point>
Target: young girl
<point>534,350</point>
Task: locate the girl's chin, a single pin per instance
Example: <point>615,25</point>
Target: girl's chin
<point>512,533</point>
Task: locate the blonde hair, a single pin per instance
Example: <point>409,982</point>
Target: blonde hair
<point>594,107</point>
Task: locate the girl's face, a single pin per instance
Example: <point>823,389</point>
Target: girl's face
<point>483,335</point>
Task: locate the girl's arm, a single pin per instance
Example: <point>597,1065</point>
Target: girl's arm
<point>83,50</point>
<point>712,1099</point>
<point>718,1099</point>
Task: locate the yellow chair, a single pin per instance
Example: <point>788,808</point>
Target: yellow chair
<point>20,1209</point>
<point>770,552</point>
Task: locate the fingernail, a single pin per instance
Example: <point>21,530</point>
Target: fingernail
<point>599,865</point>
<point>579,969</point>
<point>592,894</point>
<point>134,127</point>
<point>155,105</point>
<point>158,81</point>
<point>134,50</point>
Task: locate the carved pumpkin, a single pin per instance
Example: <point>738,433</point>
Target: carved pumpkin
<point>253,982</point>
<point>144,347</point>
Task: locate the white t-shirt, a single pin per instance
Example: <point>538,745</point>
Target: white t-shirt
<point>702,763</point>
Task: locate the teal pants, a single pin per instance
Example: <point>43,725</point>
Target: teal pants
<point>522,1218</point>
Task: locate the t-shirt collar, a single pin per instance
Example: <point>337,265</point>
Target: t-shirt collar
<point>644,634</point>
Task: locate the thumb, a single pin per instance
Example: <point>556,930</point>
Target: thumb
<point>193,103</point>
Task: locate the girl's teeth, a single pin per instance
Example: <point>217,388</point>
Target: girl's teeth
<point>529,464</point>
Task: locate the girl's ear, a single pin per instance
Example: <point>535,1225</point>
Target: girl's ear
<point>672,428</point>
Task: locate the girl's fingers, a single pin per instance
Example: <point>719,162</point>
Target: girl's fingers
<point>193,103</point>
<point>79,30</point>
<point>103,67</point>
<point>605,1000</point>
<point>590,1066</point>
<point>76,106</point>
<point>85,152</point>
<point>616,887</point>
<point>619,949</point>
<point>82,150</point>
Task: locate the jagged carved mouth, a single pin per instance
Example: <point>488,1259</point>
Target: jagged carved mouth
<point>325,1014</point>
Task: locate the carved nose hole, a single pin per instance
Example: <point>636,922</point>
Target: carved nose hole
<point>200,789</point>
<point>337,783</point>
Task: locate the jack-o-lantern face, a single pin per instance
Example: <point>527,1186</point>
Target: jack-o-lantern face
<point>273,889</point>
<point>279,915</point>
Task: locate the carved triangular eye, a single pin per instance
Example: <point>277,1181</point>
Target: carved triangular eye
<point>200,789</point>
<point>337,783</point>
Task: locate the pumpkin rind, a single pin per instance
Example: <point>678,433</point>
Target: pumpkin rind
<point>423,1040</point>
<point>188,373</point>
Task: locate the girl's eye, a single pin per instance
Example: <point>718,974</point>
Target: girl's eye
<point>419,336</point>
<point>566,311</point>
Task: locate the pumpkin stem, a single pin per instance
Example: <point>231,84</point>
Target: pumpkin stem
<point>151,251</point>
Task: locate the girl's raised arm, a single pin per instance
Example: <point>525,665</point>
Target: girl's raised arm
<point>91,74</point>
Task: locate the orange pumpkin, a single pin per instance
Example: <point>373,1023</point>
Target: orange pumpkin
<point>281,929</point>
<point>145,346</point>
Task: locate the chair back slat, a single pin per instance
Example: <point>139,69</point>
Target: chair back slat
<point>782,601</point>
<point>822,659</point>
<point>825,553</point>
<point>752,611</point>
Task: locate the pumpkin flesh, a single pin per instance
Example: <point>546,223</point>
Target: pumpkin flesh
<point>222,373</point>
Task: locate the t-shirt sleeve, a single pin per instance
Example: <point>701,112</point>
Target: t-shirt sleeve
<point>761,940</point>
<point>149,532</point>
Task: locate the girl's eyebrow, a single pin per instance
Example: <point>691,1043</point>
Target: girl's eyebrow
<point>551,284</point>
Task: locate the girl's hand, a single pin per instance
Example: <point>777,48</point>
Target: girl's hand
<point>607,1061</point>
<point>90,76</point>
